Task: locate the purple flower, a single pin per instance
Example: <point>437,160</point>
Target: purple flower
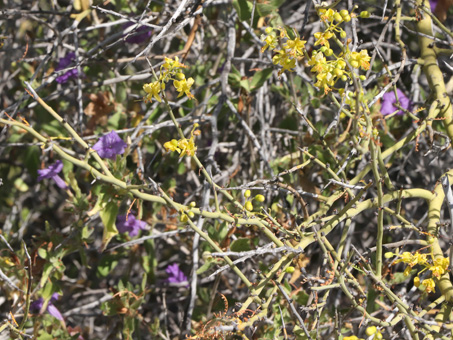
<point>110,145</point>
<point>52,172</point>
<point>51,309</point>
<point>389,100</point>
<point>64,63</point>
<point>129,224</point>
<point>175,275</point>
<point>138,35</point>
<point>433,4</point>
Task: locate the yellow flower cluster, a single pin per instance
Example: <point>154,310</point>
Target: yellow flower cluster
<point>330,71</point>
<point>372,330</point>
<point>184,146</point>
<point>438,266</point>
<point>293,49</point>
<point>170,70</point>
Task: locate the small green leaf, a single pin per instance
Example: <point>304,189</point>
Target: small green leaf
<point>108,216</point>
<point>267,8</point>
<point>241,244</point>
<point>106,265</point>
<point>260,77</point>
<point>243,8</point>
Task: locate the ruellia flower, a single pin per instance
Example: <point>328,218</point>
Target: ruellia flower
<point>139,35</point>
<point>153,90</point>
<point>110,145</point>
<point>52,172</point>
<point>129,224</point>
<point>65,63</point>
<point>37,305</point>
<point>175,275</point>
<point>389,101</point>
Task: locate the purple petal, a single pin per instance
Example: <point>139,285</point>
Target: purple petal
<point>389,101</point>
<point>36,306</point>
<point>110,145</point>
<point>52,310</point>
<point>129,224</point>
<point>175,275</point>
<point>137,36</point>
<point>54,297</point>
<point>51,171</point>
<point>60,183</point>
<point>433,4</point>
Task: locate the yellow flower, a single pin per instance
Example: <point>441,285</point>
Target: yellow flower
<point>270,41</point>
<point>413,260</point>
<point>416,281</point>
<point>323,38</point>
<point>184,146</point>
<point>296,46</point>
<point>361,59</point>
<point>187,147</point>
<point>171,64</point>
<point>318,61</point>
<point>172,145</point>
<point>352,337</point>
<point>327,15</point>
<point>440,266</point>
<point>183,86</point>
<point>153,90</point>
<point>429,285</point>
<point>285,60</point>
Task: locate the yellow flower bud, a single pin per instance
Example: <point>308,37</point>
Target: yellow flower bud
<point>290,269</point>
<point>371,330</point>
<point>259,198</point>
<point>344,12</point>
<point>338,17</point>
<point>183,218</point>
<point>269,30</point>
<point>343,34</point>
<point>191,214</point>
<point>364,14</point>
<point>192,204</point>
<point>247,193</point>
<point>248,206</point>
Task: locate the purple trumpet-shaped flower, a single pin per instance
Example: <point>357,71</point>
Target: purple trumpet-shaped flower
<point>64,63</point>
<point>110,145</point>
<point>389,100</point>
<point>175,275</point>
<point>129,224</point>
<point>139,35</point>
<point>52,172</point>
<point>51,309</point>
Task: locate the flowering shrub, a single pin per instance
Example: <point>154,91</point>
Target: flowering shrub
<point>251,170</point>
